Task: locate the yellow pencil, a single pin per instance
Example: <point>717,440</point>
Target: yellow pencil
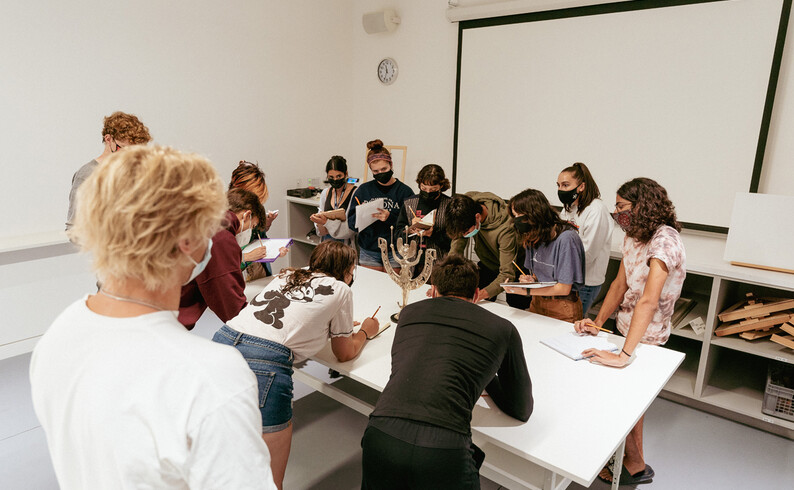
<point>591,322</point>
<point>359,202</point>
<point>519,268</point>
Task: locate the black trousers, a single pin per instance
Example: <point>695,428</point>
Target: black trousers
<point>487,276</point>
<point>392,464</point>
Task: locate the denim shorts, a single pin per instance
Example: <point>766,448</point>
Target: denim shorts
<point>374,259</point>
<point>271,362</point>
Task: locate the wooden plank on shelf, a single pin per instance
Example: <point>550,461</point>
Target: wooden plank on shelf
<point>730,309</point>
<point>786,341</point>
<point>759,334</point>
<point>746,326</point>
<point>788,328</point>
<point>768,306</point>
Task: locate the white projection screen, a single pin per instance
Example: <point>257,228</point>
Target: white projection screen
<point>679,93</point>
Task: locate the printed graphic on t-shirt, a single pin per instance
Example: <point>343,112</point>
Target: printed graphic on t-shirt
<point>276,302</point>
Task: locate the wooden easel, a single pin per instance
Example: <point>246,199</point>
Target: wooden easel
<point>391,149</point>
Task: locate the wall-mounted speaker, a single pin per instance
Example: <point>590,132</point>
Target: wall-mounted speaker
<point>381,21</point>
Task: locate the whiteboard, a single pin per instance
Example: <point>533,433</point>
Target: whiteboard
<point>676,94</point>
<point>760,235</point>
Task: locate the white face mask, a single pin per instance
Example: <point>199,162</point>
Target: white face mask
<point>244,237</point>
<point>198,267</point>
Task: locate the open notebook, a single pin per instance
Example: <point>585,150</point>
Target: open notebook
<point>273,245</point>
<point>571,344</point>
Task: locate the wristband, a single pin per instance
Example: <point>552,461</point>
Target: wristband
<point>621,350</point>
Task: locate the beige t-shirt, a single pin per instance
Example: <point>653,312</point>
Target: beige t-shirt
<point>302,320</point>
<point>665,245</point>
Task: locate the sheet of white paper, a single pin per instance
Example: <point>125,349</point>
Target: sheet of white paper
<point>572,344</point>
<point>273,245</point>
<point>365,211</point>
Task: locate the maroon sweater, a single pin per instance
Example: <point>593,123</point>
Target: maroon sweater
<point>220,287</point>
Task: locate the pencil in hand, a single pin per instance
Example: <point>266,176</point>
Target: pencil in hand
<point>592,323</point>
<point>519,268</point>
<point>376,312</point>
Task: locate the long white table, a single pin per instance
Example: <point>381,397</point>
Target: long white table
<point>582,414</point>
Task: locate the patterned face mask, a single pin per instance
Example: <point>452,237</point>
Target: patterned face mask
<point>623,219</point>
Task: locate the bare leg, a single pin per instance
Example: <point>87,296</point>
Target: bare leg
<point>279,443</point>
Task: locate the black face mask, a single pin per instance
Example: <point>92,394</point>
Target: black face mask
<point>567,197</point>
<point>384,177</point>
<point>336,183</point>
<point>521,224</point>
<point>429,196</point>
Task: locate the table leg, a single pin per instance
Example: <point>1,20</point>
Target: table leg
<point>617,467</point>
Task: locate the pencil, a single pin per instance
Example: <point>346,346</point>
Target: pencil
<point>359,202</point>
<point>519,268</point>
<point>260,240</point>
<point>590,322</point>
<point>376,312</point>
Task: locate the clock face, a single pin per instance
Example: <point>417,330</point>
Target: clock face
<point>387,71</point>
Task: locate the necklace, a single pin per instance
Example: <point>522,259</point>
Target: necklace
<point>130,300</point>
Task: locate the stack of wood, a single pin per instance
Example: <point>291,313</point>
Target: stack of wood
<point>755,318</point>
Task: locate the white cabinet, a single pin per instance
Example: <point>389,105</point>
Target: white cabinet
<point>299,226</point>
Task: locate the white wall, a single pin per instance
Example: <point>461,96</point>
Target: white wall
<point>418,109</point>
<point>242,79</point>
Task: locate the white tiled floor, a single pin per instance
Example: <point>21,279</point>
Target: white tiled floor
<point>687,448</point>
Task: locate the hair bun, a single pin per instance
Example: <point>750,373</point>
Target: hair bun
<point>375,145</point>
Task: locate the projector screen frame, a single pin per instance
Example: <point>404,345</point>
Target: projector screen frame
<point>608,8</point>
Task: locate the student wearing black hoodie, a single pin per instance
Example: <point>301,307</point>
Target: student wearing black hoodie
<point>392,191</point>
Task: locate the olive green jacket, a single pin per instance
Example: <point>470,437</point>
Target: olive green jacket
<point>496,244</point>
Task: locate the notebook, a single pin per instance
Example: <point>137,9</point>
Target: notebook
<point>571,344</point>
<point>528,285</point>
<point>273,245</point>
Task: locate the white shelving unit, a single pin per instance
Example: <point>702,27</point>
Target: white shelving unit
<point>298,227</point>
<point>723,375</point>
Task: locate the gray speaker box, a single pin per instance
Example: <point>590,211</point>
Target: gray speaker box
<point>381,21</point>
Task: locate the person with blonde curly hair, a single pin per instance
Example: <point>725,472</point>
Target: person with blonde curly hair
<point>126,396</point>
<point>119,130</point>
<point>648,283</point>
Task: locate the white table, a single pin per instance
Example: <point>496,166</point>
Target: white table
<point>582,414</point>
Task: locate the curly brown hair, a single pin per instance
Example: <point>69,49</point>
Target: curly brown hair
<point>330,257</point>
<point>537,212</point>
<point>123,126</point>
<point>650,208</point>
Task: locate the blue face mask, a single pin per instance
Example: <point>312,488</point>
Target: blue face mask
<point>198,267</point>
<point>473,232</point>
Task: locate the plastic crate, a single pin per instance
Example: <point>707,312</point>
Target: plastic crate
<point>779,394</point>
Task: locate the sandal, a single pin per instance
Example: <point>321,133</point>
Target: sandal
<point>626,478</point>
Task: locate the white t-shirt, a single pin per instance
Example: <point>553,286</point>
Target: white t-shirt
<point>302,320</point>
<point>142,403</point>
<point>595,229</point>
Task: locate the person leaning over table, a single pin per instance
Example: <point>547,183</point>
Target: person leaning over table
<point>126,396</point>
<point>446,350</point>
<point>289,321</point>
<point>248,176</point>
<point>554,253</point>
<point>582,206</point>
<point>393,192</point>
<point>432,184</point>
<point>335,197</point>
<point>485,218</point>
<point>648,283</point>
<point>220,286</point>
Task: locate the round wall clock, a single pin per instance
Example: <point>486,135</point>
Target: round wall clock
<point>387,71</point>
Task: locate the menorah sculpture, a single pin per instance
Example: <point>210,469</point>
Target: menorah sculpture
<point>407,254</point>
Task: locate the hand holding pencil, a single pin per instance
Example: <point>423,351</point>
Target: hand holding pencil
<point>589,327</point>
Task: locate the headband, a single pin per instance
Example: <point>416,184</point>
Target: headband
<point>378,156</point>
